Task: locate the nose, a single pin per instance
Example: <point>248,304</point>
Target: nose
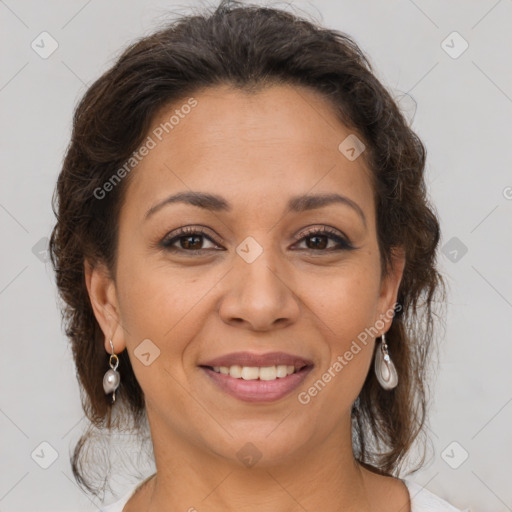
<point>259,297</point>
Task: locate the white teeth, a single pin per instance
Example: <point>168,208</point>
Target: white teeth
<point>256,372</point>
<point>250,372</point>
<point>281,371</point>
<point>235,371</point>
<point>268,373</point>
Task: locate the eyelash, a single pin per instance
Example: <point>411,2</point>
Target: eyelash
<point>167,243</point>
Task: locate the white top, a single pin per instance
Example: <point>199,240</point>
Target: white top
<point>422,500</point>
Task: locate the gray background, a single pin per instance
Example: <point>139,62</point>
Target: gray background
<point>464,114</point>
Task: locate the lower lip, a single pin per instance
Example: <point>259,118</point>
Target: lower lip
<point>258,390</point>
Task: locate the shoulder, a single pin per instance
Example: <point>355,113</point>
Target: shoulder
<point>422,500</point>
<point>120,504</point>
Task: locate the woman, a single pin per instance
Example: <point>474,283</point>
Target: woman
<point>247,258</point>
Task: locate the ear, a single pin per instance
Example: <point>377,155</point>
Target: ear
<point>389,287</point>
<point>103,296</point>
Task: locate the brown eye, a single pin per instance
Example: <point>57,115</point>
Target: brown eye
<point>191,241</point>
<point>319,240</point>
<point>188,239</point>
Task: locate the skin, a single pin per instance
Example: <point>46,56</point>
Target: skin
<point>256,151</point>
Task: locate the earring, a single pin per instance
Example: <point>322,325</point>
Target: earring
<point>385,370</point>
<point>111,379</point>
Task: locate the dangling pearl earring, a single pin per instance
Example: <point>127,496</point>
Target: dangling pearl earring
<point>111,379</point>
<point>385,370</point>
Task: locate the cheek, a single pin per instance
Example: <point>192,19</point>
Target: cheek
<point>345,301</point>
<point>344,317</point>
<point>345,308</point>
<point>160,303</point>
<point>163,306</point>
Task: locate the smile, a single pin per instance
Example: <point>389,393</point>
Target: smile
<point>255,372</point>
<point>257,377</point>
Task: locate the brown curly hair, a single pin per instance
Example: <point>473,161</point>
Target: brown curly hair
<point>248,47</point>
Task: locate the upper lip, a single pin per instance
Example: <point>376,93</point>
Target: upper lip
<point>252,359</point>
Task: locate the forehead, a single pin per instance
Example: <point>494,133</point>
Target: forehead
<point>280,139</point>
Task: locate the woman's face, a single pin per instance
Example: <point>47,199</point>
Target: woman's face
<point>255,281</point>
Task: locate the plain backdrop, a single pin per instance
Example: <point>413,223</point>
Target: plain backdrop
<point>462,99</point>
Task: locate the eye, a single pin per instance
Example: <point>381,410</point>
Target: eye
<point>188,239</point>
<point>191,240</point>
<point>318,239</point>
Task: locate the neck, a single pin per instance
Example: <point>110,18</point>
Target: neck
<point>190,478</point>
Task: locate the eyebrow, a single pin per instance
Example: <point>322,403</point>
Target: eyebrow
<point>217,203</point>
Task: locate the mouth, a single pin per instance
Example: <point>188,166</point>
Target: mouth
<point>257,378</point>
<point>256,372</point>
